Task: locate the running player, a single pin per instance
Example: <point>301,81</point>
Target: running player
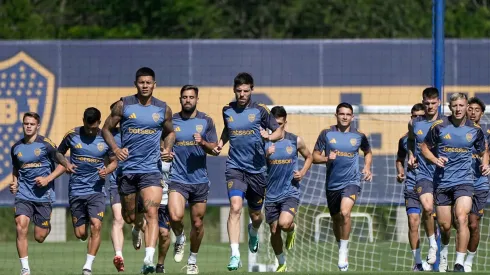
<point>146,136</point>
<point>245,165</point>
<point>341,144</point>
<point>282,197</point>
<point>424,179</point>
<point>412,202</point>
<point>117,234</point>
<point>33,175</point>
<point>476,109</point>
<point>195,136</point>
<point>88,153</point>
<point>163,220</point>
<point>454,138</point>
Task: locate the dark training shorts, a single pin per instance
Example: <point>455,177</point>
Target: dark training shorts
<point>273,209</point>
<point>334,197</point>
<point>83,208</point>
<point>244,184</point>
<point>38,212</point>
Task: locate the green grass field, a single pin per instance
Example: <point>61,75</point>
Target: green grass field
<point>68,258</point>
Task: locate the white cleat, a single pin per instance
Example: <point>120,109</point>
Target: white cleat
<point>443,263</point>
<point>178,252</point>
<point>467,267</point>
<point>343,263</point>
<point>192,269</point>
<point>25,271</point>
<point>432,256</point>
<point>137,238</point>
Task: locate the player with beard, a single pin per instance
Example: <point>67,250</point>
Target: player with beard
<point>195,137</point>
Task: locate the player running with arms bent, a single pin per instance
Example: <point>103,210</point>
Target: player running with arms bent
<point>412,202</point>
<point>454,138</point>
<point>424,175</point>
<point>476,109</point>
<point>146,136</point>
<point>245,166</point>
<point>33,175</point>
<point>88,155</point>
<point>341,144</point>
<point>283,179</point>
<point>195,136</point>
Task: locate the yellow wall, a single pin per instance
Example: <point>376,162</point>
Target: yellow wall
<point>72,101</point>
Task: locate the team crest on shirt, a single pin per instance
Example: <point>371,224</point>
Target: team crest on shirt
<point>37,152</point>
<point>289,149</point>
<point>25,86</point>
<point>100,146</point>
<point>230,184</point>
<point>353,141</point>
<point>155,117</point>
<point>469,136</point>
<point>251,117</point>
<point>199,128</point>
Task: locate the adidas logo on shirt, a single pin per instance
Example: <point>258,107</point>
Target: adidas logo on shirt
<point>447,136</point>
<point>419,132</point>
<point>78,146</point>
<point>133,115</point>
<point>177,129</point>
<point>332,141</point>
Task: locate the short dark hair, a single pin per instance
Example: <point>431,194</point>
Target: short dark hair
<point>279,111</point>
<point>476,100</point>
<point>145,71</point>
<point>189,87</point>
<point>430,92</point>
<point>344,105</point>
<point>32,114</point>
<point>113,104</point>
<point>91,115</point>
<point>417,107</point>
<point>243,78</point>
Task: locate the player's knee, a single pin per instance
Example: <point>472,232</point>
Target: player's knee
<point>428,210</point>
<point>95,227</point>
<point>462,220</point>
<point>81,234</point>
<point>129,218</point>
<point>413,222</point>
<point>118,222</point>
<point>474,226</point>
<point>176,217</point>
<point>197,223</point>
<point>274,228</point>
<point>345,214</point>
<point>22,229</point>
<point>164,234</point>
<point>40,237</point>
<point>235,210</point>
<point>285,224</point>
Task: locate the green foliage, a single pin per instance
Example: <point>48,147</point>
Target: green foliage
<point>276,19</point>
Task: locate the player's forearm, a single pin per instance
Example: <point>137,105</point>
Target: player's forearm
<point>368,160</point>
<point>208,146</point>
<point>109,138</point>
<point>15,175</point>
<point>399,167</point>
<point>111,167</point>
<point>318,158</point>
<point>169,141</point>
<point>276,135</point>
<point>307,165</point>
<point>224,136</point>
<point>427,153</point>
<point>60,158</point>
<point>60,169</point>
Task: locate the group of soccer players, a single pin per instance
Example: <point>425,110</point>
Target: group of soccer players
<point>447,175</point>
<point>156,162</point>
